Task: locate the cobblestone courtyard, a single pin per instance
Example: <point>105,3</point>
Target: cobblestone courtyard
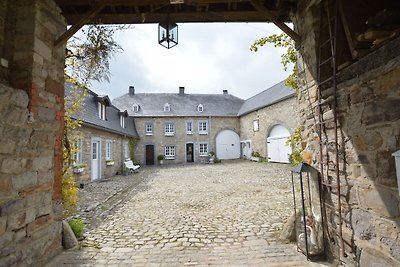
<point>226,214</point>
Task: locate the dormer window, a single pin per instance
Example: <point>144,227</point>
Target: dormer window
<point>102,110</point>
<point>200,108</point>
<point>135,107</point>
<point>122,121</point>
<point>167,107</point>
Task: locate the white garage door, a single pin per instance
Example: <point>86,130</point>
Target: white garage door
<point>228,145</point>
<point>277,149</point>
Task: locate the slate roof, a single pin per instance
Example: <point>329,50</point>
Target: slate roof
<point>268,97</point>
<point>152,104</point>
<point>89,115</point>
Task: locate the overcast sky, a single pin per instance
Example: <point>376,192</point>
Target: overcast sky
<point>208,59</point>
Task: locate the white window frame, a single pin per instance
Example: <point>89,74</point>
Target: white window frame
<point>109,150</point>
<point>189,129</point>
<point>169,129</point>
<point>148,128</point>
<point>78,155</point>
<point>102,110</point>
<point>201,128</point>
<point>200,108</point>
<point>203,149</point>
<point>122,121</point>
<point>256,125</point>
<point>169,152</point>
<point>167,107</point>
<point>126,150</point>
<point>135,107</point>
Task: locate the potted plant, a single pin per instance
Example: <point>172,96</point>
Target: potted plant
<point>110,162</point>
<point>125,171</point>
<point>212,157</point>
<point>255,156</point>
<point>160,159</point>
<point>79,168</point>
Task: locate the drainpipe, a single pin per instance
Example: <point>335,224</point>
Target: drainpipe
<point>209,132</point>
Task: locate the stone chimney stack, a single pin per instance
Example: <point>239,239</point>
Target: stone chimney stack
<point>224,92</point>
<point>131,90</point>
<point>181,90</point>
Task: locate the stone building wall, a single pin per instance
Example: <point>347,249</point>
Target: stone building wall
<point>180,138</point>
<point>31,130</point>
<point>284,113</point>
<point>369,132</point>
<point>86,134</point>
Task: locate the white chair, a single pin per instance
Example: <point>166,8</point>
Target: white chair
<point>132,167</point>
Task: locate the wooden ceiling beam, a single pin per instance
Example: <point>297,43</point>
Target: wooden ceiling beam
<point>271,17</point>
<point>139,18</point>
<point>142,2</point>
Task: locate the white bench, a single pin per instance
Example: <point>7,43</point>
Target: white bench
<point>129,165</point>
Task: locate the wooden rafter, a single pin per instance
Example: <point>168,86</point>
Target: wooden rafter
<point>270,16</point>
<point>74,28</point>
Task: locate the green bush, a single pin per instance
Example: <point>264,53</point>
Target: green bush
<point>77,227</point>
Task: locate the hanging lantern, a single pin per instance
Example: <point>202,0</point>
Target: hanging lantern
<point>168,33</point>
<point>306,188</point>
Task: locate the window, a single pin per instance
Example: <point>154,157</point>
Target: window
<point>256,125</point>
<point>200,108</point>
<point>169,129</point>
<point>189,127</point>
<point>149,128</point>
<point>122,121</point>
<point>77,156</point>
<point>203,149</point>
<point>169,152</point>
<point>135,107</point>
<point>108,150</point>
<point>126,150</point>
<point>102,110</point>
<point>203,127</point>
<point>167,107</point>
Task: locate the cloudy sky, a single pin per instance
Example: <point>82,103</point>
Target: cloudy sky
<point>208,59</point>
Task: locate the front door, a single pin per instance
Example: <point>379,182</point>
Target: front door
<point>95,171</point>
<point>149,154</point>
<point>189,153</point>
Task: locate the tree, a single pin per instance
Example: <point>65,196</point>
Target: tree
<point>87,60</point>
<point>287,59</point>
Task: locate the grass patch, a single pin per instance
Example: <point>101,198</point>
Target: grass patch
<point>77,226</point>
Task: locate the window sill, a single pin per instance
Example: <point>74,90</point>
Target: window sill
<point>170,158</point>
<point>169,134</point>
<point>149,134</point>
<point>203,133</point>
<point>189,133</point>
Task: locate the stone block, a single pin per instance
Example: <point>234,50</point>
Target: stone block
<point>3,224</point>
<point>363,224</point>
<point>16,116</point>
<point>31,215</point>
<point>16,221</point>
<point>19,98</point>
<point>19,234</point>
<point>68,237</point>
<point>7,147</point>
<point>381,201</point>
<point>40,223</point>
<point>12,207</point>
<point>44,210</point>
<point>373,258</point>
<point>42,49</point>
<point>24,180</point>
<point>42,163</point>
<point>393,245</point>
<point>46,114</point>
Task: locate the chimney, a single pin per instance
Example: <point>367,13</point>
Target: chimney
<point>131,90</point>
<point>224,92</point>
<point>181,90</point>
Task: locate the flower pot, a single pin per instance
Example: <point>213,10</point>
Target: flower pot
<point>110,163</point>
<point>78,170</point>
<point>161,162</point>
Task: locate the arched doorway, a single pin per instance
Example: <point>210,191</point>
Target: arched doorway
<point>277,149</point>
<point>227,145</point>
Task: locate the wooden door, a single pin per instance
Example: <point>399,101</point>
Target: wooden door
<point>189,153</point>
<point>149,154</point>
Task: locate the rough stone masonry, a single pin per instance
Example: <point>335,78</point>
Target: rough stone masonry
<point>31,128</point>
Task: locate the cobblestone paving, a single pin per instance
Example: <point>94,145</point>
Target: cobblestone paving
<point>227,214</point>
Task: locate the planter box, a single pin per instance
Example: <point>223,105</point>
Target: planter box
<point>110,163</point>
<point>78,170</point>
<point>256,159</point>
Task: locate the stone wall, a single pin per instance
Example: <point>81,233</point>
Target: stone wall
<point>31,127</point>
<point>86,134</point>
<point>284,113</point>
<point>369,132</point>
<point>180,138</point>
